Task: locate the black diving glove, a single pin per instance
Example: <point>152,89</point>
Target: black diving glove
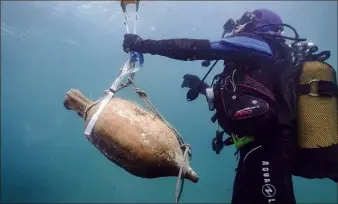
<point>130,41</point>
<point>193,81</point>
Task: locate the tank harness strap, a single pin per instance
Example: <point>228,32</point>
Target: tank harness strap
<point>318,88</point>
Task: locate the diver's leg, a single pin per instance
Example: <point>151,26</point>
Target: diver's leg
<point>262,177</point>
<point>239,193</point>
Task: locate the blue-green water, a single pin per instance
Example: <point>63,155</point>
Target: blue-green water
<point>49,47</point>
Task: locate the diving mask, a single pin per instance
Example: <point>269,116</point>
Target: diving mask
<point>232,25</point>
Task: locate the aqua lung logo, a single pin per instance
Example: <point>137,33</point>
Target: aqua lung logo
<point>268,190</point>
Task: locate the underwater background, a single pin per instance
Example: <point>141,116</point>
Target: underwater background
<point>50,47</point>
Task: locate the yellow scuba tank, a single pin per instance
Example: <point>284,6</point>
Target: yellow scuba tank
<point>317,120</point>
<point>317,124</point>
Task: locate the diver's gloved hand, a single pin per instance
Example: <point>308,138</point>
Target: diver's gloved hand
<point>193,81</point>
<point>190,81</point>
<point>129,42</point>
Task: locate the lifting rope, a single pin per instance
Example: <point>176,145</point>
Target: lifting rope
<point>131,66</point>
<point>124,4</point>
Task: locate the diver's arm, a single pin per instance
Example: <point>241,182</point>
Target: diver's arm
<point>202,49</point>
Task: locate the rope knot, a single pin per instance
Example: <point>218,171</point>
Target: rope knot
<point>186,147</point>
<point>141,93</point>
<point>106,92</point>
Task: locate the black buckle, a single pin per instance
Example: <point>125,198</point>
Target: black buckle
<point>324,88</point>
<point>217,142</point>
<point>312,86</point>
<point>214,118</point>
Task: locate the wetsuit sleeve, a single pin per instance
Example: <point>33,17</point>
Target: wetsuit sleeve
<point>202,49</point>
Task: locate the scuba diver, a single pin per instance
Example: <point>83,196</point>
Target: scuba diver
<point>256,99</point>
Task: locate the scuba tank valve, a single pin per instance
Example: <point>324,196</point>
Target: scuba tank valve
<point>302,50</point>
<point>217,142</point>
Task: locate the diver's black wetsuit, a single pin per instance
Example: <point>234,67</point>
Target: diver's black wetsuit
<point>263,173</point>
<point>262,177</point>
